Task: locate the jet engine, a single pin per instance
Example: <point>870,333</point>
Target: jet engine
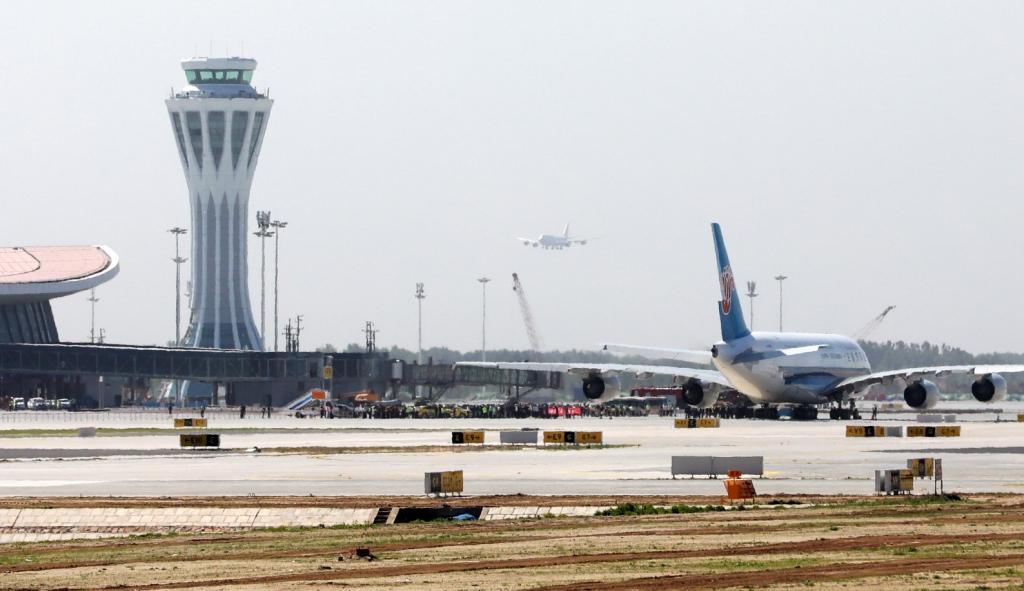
<point>700,394</point>
<point>593,387</point>
<point>989,388</point>
<point>921,394</point>
<point>598,388</point>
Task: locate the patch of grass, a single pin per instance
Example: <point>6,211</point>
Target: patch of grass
<point>907,501</point>
<point>647,509</point>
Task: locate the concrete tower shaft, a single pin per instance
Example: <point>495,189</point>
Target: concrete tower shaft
<point>219,121</point>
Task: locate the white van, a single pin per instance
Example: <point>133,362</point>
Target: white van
<point>36,404</point>
<point>18,403</point>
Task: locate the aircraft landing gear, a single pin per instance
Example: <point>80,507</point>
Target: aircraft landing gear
<point>805,413</point>
<point>842,413</point>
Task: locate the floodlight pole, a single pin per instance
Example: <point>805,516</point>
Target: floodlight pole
<point>419,336</point>
<point>92,326</point>
<point>780,279</point>
<point>178,260</point>
<point>752,293</point>
<point>483,347</point>
<point>279,225</point>
<point>263,221</point>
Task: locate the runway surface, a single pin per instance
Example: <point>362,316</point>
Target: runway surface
<point>811,458</point>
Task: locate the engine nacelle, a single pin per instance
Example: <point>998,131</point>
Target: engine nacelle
<point>598,388</point>
<point>921,394</point>
<point>989,388</point>
<point>699,394</point>
<point>593,387</point>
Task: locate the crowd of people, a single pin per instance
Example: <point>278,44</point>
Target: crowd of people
<point>473,411</point>
<point>720,412</point>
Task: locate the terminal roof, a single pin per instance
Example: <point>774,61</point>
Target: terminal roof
<point>218,63</point>
<point>44,272</point>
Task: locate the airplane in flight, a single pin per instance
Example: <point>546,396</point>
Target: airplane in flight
<point>552,241</point>
<point>771,368</point>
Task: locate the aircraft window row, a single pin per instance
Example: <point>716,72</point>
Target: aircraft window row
<point>219,76</point>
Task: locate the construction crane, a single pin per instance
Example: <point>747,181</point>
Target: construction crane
<point>524,307</point>
<point>870,327</point>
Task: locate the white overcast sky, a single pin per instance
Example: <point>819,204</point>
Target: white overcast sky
<point>872,151</point>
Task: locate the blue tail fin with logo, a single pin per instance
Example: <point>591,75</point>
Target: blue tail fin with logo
<point>730,313</point>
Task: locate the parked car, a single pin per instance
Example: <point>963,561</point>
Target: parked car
<point>64,403</point>
<point>36,404</point>
<point>17,403</point>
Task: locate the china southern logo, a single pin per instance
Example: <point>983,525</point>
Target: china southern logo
<point>727,289</point>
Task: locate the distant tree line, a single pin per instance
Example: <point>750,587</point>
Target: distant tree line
<point>898,354</point>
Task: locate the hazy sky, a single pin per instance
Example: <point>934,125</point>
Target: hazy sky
<point>872,151</point>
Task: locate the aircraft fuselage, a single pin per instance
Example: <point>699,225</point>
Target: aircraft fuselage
<point>757,368</point>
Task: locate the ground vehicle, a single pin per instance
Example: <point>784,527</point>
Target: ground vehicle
<point>36,404</point>
<point>17,403</point>
<point>63,404</point>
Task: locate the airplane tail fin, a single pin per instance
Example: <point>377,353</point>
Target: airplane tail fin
<point>730,313</point>
<point>565,232</point>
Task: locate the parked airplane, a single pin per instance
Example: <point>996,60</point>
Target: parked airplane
<point>775,368</point>
<point>556,242</point>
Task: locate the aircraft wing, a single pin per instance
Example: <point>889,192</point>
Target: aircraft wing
<point>851,385</point>
<point>585,369</point>
<point>527,241</point>
<point>700,357</point>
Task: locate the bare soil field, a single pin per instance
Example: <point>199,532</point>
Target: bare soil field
<point>837,542</point>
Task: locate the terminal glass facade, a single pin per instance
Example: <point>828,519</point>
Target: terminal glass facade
<point>30,322</point>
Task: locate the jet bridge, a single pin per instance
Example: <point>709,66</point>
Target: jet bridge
<point>436,380</point>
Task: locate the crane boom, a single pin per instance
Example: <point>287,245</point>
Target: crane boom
<point>871,326</point>
<point>524,308</point>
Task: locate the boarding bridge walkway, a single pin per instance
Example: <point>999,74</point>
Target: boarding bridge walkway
<point>167,363</point>
<point>438,379</point>
<point>233,366</point>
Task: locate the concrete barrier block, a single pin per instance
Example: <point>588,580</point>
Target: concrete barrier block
<point>267,518</point>
<point>30,517</point>
<point>363,516</point>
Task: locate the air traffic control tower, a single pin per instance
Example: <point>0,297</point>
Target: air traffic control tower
<point>219,120</point>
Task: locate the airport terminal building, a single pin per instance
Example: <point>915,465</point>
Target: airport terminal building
<point>31,276</point>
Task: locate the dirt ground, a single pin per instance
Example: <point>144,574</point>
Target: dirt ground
<point>393,501</point>
<point>916,543</point>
